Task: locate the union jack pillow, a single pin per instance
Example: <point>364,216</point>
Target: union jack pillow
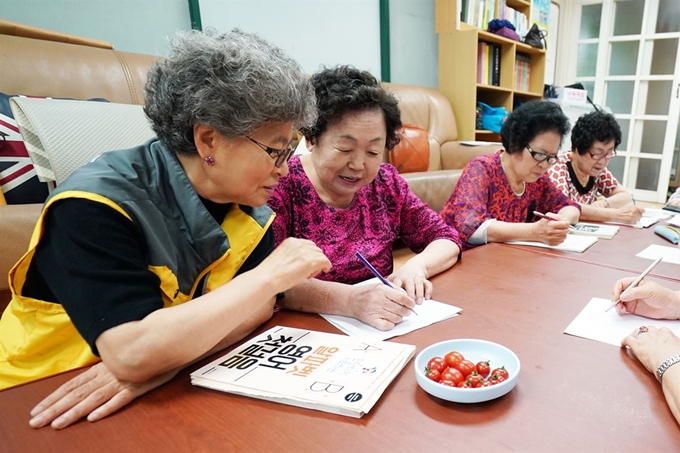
<point>18,180</point>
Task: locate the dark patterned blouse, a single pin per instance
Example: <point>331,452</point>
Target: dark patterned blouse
<point>483,193</point>
<point>380,213</point>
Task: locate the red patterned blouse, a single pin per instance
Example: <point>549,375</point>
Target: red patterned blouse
<point>483,193</point>
<point>562,174</point>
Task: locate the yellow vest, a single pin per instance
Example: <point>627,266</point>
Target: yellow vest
<point>38,339</point>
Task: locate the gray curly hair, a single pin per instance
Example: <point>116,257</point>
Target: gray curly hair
<point>235,82</point>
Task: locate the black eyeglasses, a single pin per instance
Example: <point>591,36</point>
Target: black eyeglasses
<point>540,157</point>
<point>281,155</point>
<point>599,156</point>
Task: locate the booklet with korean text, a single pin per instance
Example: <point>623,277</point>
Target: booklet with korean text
<point>592,229</point>
<point>316,370</point>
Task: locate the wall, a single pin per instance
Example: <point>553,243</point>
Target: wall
<point>314,32</point>
<point>413,43</point>
<point>131,25</point>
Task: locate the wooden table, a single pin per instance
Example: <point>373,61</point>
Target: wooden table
<point>573,394</point>
<point>619,252</point>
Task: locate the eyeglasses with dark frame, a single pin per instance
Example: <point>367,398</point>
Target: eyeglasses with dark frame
<point>281,155</point>
<point>599,156</point>
<point>540,157</point>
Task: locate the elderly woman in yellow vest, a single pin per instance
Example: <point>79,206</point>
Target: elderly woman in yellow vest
<point>151,258</point>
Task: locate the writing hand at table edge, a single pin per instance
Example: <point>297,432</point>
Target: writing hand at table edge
<point>379,306</point>
<point>648,299</point>
<point>95,394</point>
<point>414,281</point>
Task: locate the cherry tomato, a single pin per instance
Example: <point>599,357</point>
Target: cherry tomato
<point>501,372</point>
<point>447,383</point>
<point>435,375</point>
<point>453,357</point>
<point>475,379</point>
<point>463,385</point>
<point>452,374</point>
<point>436,363</point>
<point>465,366</point>
<point>494,379</point>
<point>483,368</point>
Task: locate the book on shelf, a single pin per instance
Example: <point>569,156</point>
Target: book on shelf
<point>592,229</point>
<point>315,370</point>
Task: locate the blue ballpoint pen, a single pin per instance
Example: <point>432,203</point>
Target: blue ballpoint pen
<point>632,198</point>
<point>375,272</point>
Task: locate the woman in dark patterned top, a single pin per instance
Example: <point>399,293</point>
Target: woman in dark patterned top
<point>497,194</point>
<point>344,198</point>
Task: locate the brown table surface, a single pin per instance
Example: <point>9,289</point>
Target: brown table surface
<point>572,395</point>
<point>619,252</point>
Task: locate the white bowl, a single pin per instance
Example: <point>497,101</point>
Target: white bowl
<point>475,351</point>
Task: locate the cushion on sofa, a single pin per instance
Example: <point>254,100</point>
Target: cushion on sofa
<point>62,135</point>
<point>412,153</point>
<point>18,180</point>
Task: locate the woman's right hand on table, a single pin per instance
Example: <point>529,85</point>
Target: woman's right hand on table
<point>551,232</point>
<point>292,262</point>
<point>380,306</point>
<point>629,213</point>
<point>648,299</point>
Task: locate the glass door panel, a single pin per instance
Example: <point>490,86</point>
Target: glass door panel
<point>587,60</point>
<point>616,166</point>
<point>648,174</point>
<point>624,57</point>
<point>590,21</point>
<point>668,19</point>
<point>624,125</point>
<point>620,96</point>
<point>664,53</point>
<point>658,96</point>
<point>653,134</point>
<point>628,17</point>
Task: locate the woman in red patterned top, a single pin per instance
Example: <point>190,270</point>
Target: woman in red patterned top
<point>345,199</point>
<point>497,194</point>
<point>582,174</point>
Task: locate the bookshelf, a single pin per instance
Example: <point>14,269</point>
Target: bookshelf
<point>458,67</point>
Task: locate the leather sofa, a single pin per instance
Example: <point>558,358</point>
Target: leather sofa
<point>41,63</point>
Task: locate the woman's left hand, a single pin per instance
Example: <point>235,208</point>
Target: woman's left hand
<point>94,394</point>
<point>653,346</point>
<point>414,280</point>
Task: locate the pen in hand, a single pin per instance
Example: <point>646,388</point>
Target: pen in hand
<point>540,215</point>
<point>374,271</point>
<point>636,282</point>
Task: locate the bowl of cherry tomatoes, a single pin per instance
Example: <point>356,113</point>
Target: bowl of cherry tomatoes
<point>467,370</point>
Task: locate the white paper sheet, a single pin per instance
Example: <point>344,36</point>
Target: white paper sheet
<point>675,221</point>
<point>573,243</point>
<point>644,222</point>
<point>429,313</point>
<point>656,213</point>
<point>610,327</point>
<point>669,254</point>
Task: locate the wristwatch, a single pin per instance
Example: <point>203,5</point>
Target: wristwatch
<point>666,365</point>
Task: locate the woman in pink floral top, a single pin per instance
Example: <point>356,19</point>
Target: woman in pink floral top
<point>582,174</point>
<point>497,194</point>
<point>346,200</point>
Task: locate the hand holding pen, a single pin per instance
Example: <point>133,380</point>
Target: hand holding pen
<point>635,282</point>
<point>553,231</point>
<point>377,274</point>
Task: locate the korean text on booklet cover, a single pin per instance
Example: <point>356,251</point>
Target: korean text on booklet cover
<point>316,370</point>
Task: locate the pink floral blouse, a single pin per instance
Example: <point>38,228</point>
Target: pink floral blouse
<point>380,213</point>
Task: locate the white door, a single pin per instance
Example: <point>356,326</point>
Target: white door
<point>627,59</point>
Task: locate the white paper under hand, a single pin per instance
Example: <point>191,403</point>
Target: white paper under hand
<point>610,327</point>
<point>429,313</point>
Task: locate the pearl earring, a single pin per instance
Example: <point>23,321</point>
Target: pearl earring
<point>210,160</point>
